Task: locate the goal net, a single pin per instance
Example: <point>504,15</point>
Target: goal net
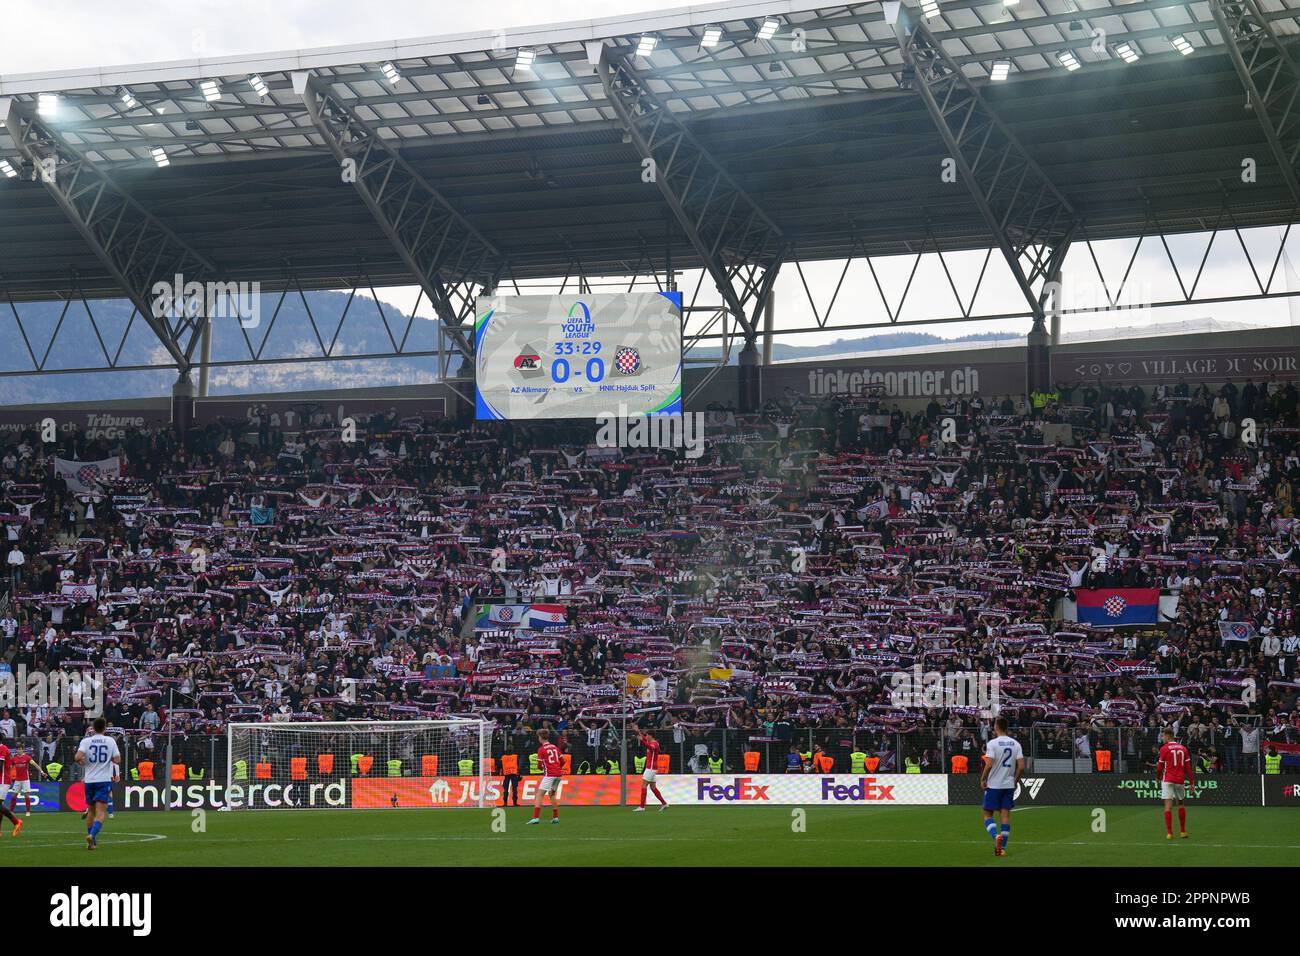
<point>358,764</point>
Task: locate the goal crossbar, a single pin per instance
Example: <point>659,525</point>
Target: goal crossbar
<point>313,724</point>
<point>312,755</point>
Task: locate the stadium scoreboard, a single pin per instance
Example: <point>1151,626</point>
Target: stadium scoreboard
<point>578,356</point>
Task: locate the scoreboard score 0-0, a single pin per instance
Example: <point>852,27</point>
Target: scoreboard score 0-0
<point>578,356</point>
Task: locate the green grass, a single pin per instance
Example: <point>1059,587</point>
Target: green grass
<point>682,836</point>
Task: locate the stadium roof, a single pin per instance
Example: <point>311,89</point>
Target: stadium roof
<point>817,124</point>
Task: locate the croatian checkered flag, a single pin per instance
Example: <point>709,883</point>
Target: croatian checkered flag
<point>876,510</point>
<point>86,476</point>
<point>1236,631</point>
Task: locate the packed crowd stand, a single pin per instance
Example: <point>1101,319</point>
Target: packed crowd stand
<point>758,599</point>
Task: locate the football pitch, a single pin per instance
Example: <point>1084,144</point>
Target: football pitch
<point>681,836</point>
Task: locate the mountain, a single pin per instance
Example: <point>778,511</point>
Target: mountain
<point>782,351</point>
<point>284,330</point>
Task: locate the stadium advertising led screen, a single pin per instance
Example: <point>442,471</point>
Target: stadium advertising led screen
<point>578,356</point>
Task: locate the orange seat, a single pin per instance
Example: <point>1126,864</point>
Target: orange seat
<point>262,771</point>
<point>429,765</point>
<point>297,768</point>
<point>325,764</point>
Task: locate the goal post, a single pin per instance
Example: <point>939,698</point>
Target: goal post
<point>329,765</point>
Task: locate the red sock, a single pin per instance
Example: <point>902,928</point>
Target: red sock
<point>643,790</point>
<point>1182,819</point>
<point>555,812</point>
<point>1169,822</point>
<point>537,811</point>
<point>658,796</point>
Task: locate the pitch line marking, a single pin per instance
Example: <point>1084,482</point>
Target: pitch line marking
<point>380,837</point>
<point>19,842</point>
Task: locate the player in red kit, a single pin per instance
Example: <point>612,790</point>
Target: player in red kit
<point>23,765</point>
<point>552,761</point>
<point>6,782</point>
<point>1175,770</point>
<point>651,771</point>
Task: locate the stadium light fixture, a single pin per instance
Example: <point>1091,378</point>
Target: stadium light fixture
<point>258,84</point>
<point>712,37</point>
<point>391,73</point>
<point>1128,52</point>
<point>211,90</point>
<point>646,45</point>
<point>1001,70</point>
<point>7,169</point>
<point>768,29</point>
<point>524,59</point>
<point>47,105</point>
<point>1182,44</point>
<point>129,102</point>
<point>1068,60</point>
<point>160,157</point>
<point>930,8</point>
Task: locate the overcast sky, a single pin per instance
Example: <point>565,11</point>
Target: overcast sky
<point>39,35</point>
